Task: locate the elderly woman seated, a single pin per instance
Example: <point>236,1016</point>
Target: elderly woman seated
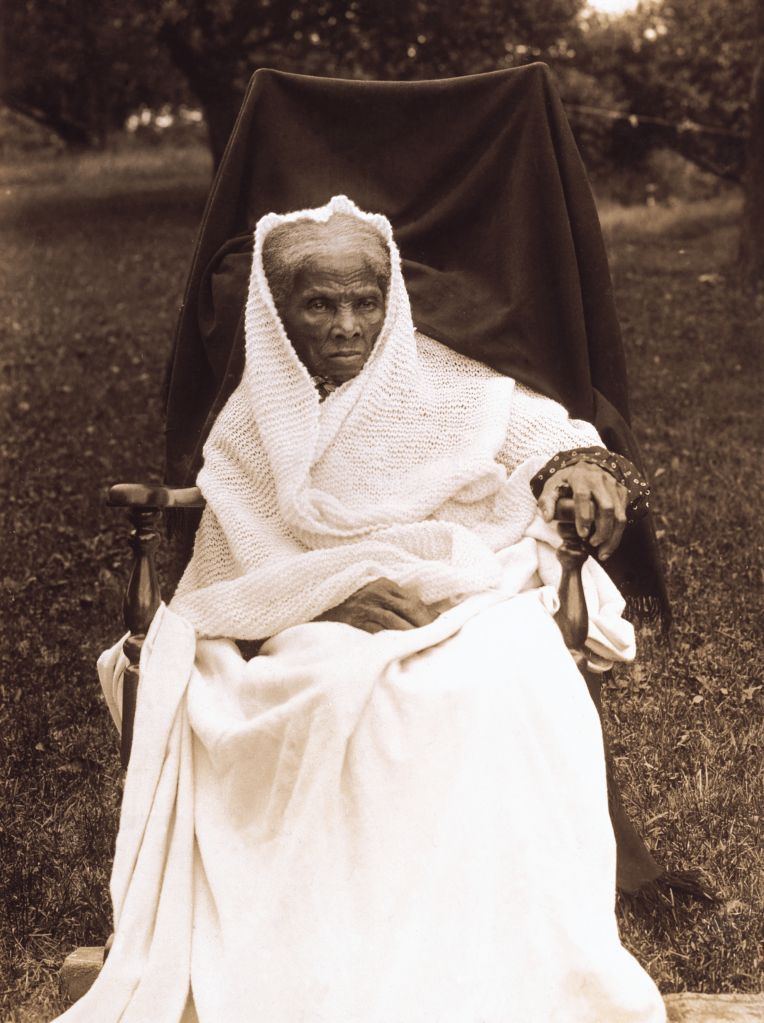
<point>396,811</point>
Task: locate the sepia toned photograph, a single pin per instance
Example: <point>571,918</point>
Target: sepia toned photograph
<point>381,575</point>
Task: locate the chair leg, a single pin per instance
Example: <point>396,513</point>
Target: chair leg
<point>142,598</point>
<point>635,864</point>
<point>79,972</point>
<point>637,871</point>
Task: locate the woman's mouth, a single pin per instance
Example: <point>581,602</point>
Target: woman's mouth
<point>344,356</point>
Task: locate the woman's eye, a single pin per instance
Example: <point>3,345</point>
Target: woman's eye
<point>369,304</point>
<point>318,305</point>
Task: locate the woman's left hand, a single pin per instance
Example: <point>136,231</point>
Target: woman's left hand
<point>600,503</point>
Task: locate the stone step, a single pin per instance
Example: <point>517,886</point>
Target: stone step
<point>82,966</point>
<point>79,971</point>
<point>689,1007</point>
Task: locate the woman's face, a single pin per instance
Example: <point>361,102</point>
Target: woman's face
<point>335,313</point>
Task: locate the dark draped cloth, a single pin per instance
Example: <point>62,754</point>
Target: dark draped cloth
<point>491,208</point>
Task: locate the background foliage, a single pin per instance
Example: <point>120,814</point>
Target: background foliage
<point>685,62</point>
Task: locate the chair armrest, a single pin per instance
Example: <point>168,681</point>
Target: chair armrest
<point>144,504</point>
<point>141,495</point>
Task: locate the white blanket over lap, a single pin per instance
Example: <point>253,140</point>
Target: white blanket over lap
<point>360,828</point>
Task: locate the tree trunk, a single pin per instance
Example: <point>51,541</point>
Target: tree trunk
<point>751,253</point>
<point>209,75</point>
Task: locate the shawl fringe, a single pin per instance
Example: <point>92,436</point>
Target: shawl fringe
<point>648,609</point>
<point>670,887</point>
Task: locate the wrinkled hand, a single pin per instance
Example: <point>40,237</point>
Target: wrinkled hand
<point>381,605</point>
<point>600,503</point>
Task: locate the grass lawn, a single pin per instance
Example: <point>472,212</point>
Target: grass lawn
<point>93,263</point>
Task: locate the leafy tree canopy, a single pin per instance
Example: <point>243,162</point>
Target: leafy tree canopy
<point>686,65</point>
<point>81,67</point>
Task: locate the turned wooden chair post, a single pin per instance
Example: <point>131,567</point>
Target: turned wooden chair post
<point>572,617</point>
<point>635,865</point>
<point>142,596</point>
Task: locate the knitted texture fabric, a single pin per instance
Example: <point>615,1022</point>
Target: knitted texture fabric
<point>416,470</point>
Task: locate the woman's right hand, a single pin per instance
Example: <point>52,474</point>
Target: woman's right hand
<point>381,605</point>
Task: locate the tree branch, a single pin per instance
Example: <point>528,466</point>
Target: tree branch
<point>729,172</point>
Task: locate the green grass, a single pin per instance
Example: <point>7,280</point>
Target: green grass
<point>93,263</point>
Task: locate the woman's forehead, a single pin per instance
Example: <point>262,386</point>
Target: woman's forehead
<point>304,239</point>
<point>338,268</point>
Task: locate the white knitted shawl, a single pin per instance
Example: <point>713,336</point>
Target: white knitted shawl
<point>401,472</point>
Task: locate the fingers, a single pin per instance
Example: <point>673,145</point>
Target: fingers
<point>383,604</point>
<point>619,497</point>
<point>547,502</point>
<point>381,619</point>
<point>604,517</point>
<point>406,605</point>
<point>611,545</point>
<point>610,498</point>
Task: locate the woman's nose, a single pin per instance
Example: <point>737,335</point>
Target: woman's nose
<point>345,324</point>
